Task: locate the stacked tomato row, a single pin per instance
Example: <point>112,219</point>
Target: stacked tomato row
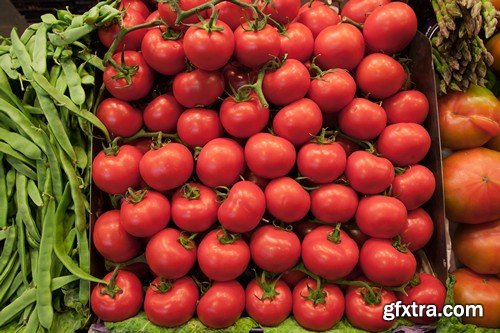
<point>226,195</point>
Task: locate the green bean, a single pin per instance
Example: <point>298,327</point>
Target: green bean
<point>39,63</point>
<point>24,209</point>
<point>10,182</point>
<point>34,194</point>
<point>68,245</point>
<point>21,167</point>
<point>41,173</point>
<point>49,19</point>
<point>28,33</point>
<point>55,72</point>
<point>92,60</point>
<point>3,234</point>
<point>10,285</point>
<point>33,110</point>
<point>70,35</point>
<point>21,249</point>
<point>55,169</point>
<point>61,85</point>
<point>8,280</point>
<point>4,80</point>
<point>13,262</point>
<point>23,319</point>
<point>84,257</point>
<point>47,189</point>
<point>34,263</point>
<point>7,122</point>
<point>6,65</point>
<point>21,144</point>
<point>8,151</point>
<point>33,322</point>
<point>21,53</point>
<point>4,199</point>
<point>8,247</point>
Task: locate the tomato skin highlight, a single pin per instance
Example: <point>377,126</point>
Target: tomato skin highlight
<point>119,117</point>
<point>321,163</point>
<point>198,88</point>
<point>418,230</point>
<point>165,56</point>
<point>381,216</point>
<point>197,127</point>
<point>286,200</point>
<point>297,42</point>
<point>414,187</point>
<point>268,312</point>
<point>333,203</point>
<point>367,173</point>
<point>362,119</point>
<point>162,114</point>
<point>287,84</point>
<point>255,48</point>
<point>243,119</point>
<point>317,16</point>
<point>409,106</point>
<point>332,91</point>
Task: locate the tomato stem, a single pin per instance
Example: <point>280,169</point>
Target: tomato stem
<point>268,288</point>
<point>112,289</point>
<point>134,197</point>
<point>358,25</point>
<point>143,134</point>
<point>186,240</point>
<point>222,193</point>
<point>334,235</point>
<point>257,87</point>
<point>227,238</point>
<point>190,192</point>
<point>163,286</point>
<point>396,242</point>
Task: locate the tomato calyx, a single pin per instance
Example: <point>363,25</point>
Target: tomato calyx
<point>112,149</point>
<point>324,138</point>
<point>256,24</point>
<point>134,197</point>
<point>226,237</point>
<point>358,25</point>
<point>280,225</point>
<point>257,87</point>
<point>396,242</point>
<point>222,192</point>
<point>163,287</point>
<point>268,288</point>
<point>317,295</point>
<point>400,170</point>
<point>171,34</point>
<point>317,71</point>
<point>202,285</point>
<point>415,281</point>
<point>334,235</point>
<point>157,137</point>
<point>307,188</point>
<point>112,289</point>
<point>186,240</point>
<point>190,192</point>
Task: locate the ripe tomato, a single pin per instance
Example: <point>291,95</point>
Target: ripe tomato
<point>304,227</point>
<point>317,15</point>
<point>348,145</point>
<point>170,254</point>
<point>381,217</point>
<point>196,127</point>
<point>194,207</point>
<point>414,186</point>
<point>232,14</point>
<point>274,249</point>
<point>418,230</point>
<point>359,10</point>
<point>243,208</point>
<point>292,277</point>
<point>286,84</point>
<point>141,77</point>
<point>132,40</point>
<point>198,88</point>
<point>287,200</point>
<point>136,5</point>
<point>253,48</point>
<point>362,119</point>
<point>220,163</point>
<point>380,76</point>
<point>367,173</point>
<point>339,46</point>
<point>243,118</point>
<point>164,55</point>
<point>171,303</point>
<point>283,11</point>
<point>332,91</point>
<point>167,167</point>
<point>297,42</point>
<point>269,156</point>
<point>409,106</point>
<point>297,121</point>
<point>112,241</point>
<point>493,46</point>
<point>315,307</point>
<point>162,113</point>
<point>404,144</point>
<point>268,302</point>
<point>169,16</point>
<point>386,263</point>
<point>321,162</point>
<point>237,75</point>
<point>477,246</point>
<point>209,47</point>
<point>154,16</point>
<point>114,173</point>
<point>494,143</point>
<point>222,305</point>
<point>329,253</point>
<point>390,28</point>
<point>332,203</point>
<point>119,117</point>
<point>119,301</point>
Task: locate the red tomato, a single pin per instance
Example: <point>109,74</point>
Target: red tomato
<point>390,28</point>
<point>274,250</point>
<point>198,88</point>
<point>222,305</point>
<point>317,15</point>
<point>367,173</point>
<point>297,42</point>
<point>223,257</point>
<point>196,127</point>
<point>232,14</point>
<point>242,119</point>
<point>136,5</point>
<point>287,200</point>
<point>317,309</point>
<point>119,303</point>
<point>292,278</point>
<point>287,84</point>
<point>409,106</point>
<point>296,122</point>
<point>303,228</point>
<point>359,10</point>
<point>359,237</point>
<point>414,186</point>
<point>220,163</point>
<point>119,117</point>
<point>170,254</point>
<point>209,47</point>
<point>268,303</point>
<point>115,173</point>
<point>269,156</point>
<point>334,203</point>
<point>362,119</point>
<point>171,303</point>
<point>386,263</point>
<point>154,16</point>
<point>283,11</point>
<point>169,16</point>
<point>381,217</point>
<point>418,230</point>
<point>165,56</point>
<point>321,162</point>
<point>253,48</point>
<point>237,75</point>
<point>329,253</point>
<point>143,144</point>
<point>380,76</point>
<point>243,208</point>
<point>132,40</point>
<point>339,46</point>
<point>332,91</point>
<point>348,145</point>
<point>162,113</point>
<point>112,241</point>
<point>167,167</point>
<point>257,180</point>
<point>404,144</point>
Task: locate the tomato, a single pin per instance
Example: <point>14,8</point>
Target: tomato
<point>359,10</point>
<point>268,302</point>
<point>386,263</point>
<point>164,55</point>
<point>197,127</point>
<point>253,48</point>
<point>198,88</point>
<point>329,253</point>
<point>222,305</point>
<point>141,77</point>
<point>304,227</point>
<point>167,167</point>
<point>297,121</point>
<point>317,15</point>
<point>472,288</point>
<point>132,40</point>
<point>332,203</point>
<point>119,117</point>
<point>243,118</point>
<point>404,143</point>
<point>114,173</point>
<point>171,303</point>
<point>210,46</point>
<point>274,249</point>
<point>468,119</point>
<point>136,5</point>
<point>243,208</point>
<point>119,303</point>
<point>409,106</point>
<point>418,230</point>
<point>321,162</point>
<point>286,200</point>
<point>194,207</point>
<point>339,46</point>
<point>477,246</point>
<point>169,16</point>
<point>154,16</point>
<point>367,173</point>
<point>269,156</point>
<point>362,119</point>
<point>414,187</point>
<point>162,113</point>
<point>286,84</point>
<point>237,75</point>
<point>494,143</point>
<point>170,254</point>
<point>283,11</point>
<point>493,46</point>
<point>348,145</point>
<point>381,217</point>
<point>315,307</point>
<point>359,237</point>
<point>112,241</point>
<point>297,42</point>
<point>390,28</point>
<point>380,76</point>
<point>333,90</point>
<point>232,14</point>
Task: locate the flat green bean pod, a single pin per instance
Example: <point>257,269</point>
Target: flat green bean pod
<point>21,144</point>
